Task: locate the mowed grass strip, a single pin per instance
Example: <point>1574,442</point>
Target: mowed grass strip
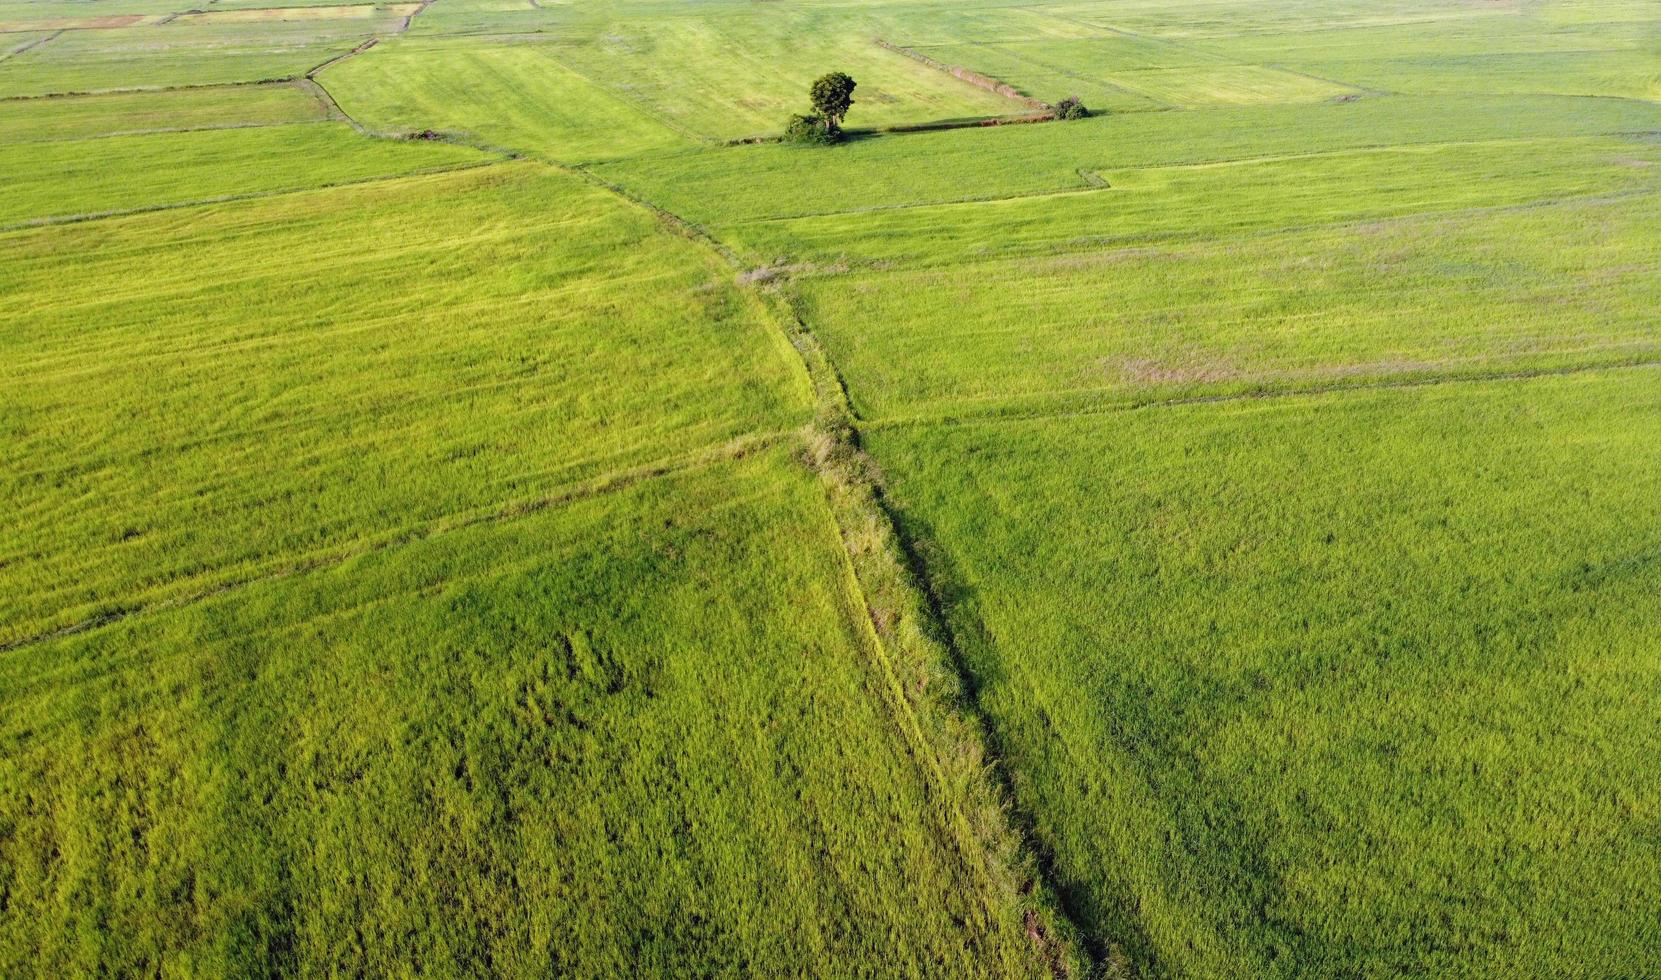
<point>515,95</point>
<point>205,396</point>
<point>639,734</point>
<point>78,178</point>
<point>1160,204</point>
<point>1354,685</point>
<point>736,184</point>
<point>1562,285</point>
<point>85,116</point>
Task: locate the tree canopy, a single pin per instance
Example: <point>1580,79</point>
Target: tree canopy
<point>832,96</point>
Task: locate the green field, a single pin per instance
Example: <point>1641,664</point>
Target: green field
<point>1353,685</point>
<point>478,505</point>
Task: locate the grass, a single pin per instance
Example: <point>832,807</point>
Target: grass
<point>719,187</point>
<point>81,117</point>
<point>1227,85</point>
<point>1618,74</point>
<point>1561,285</point>
<point>181,54</point>
<point>78,177</point>
<point>1215,538</point>
<point>734,74</point>
<point>1161,204</point>
<point>1357,685</point>
<point>516,95</point>
<point>399,759</point>
<point>194,415</point>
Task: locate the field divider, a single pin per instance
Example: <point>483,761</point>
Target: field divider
<point>923,675</point>
<point>733,449</point>
<point>927,678</point>
<point>337,59</point>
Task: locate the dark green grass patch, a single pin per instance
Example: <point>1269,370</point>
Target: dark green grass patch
<point>1354,685</point>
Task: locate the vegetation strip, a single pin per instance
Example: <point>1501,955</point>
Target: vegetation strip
<point>937,705</point>
<point>927,681</point>
<point>966,75</point>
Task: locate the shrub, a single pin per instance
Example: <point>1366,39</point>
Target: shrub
<point>1071,108</point>
<point>809,129</point>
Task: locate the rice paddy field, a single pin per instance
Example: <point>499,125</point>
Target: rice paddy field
<point>478,505</point>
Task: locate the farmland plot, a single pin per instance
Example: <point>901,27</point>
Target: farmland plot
<point>1240,551</point>
<point>513,95</point>
<point>186,412</point>
<point>85,116</point>
<point>1543,288</point>
<point>738,185</point>
<point>619,736</point>
<point>1358,685</point>
<point>184,53</point>
<point>741,74</point>
<point>72,178</point>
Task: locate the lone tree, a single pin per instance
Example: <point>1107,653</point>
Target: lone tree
<point>832,95</point>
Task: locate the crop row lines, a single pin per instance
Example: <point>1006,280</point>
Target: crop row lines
<point>734,449</point>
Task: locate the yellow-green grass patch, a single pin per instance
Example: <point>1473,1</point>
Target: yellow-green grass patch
<point>1158,204</point>
<point>205,396</point>
<point>262,15</point>
<point>637,734</point>
<point>511,95</point>
<point>743,74</point>
<point>740,184</point>
<point>1227,85</point>
<point>48,24</point>
<point>1632,74</point>
<point>1040,70</point>
<point>77,178</point>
